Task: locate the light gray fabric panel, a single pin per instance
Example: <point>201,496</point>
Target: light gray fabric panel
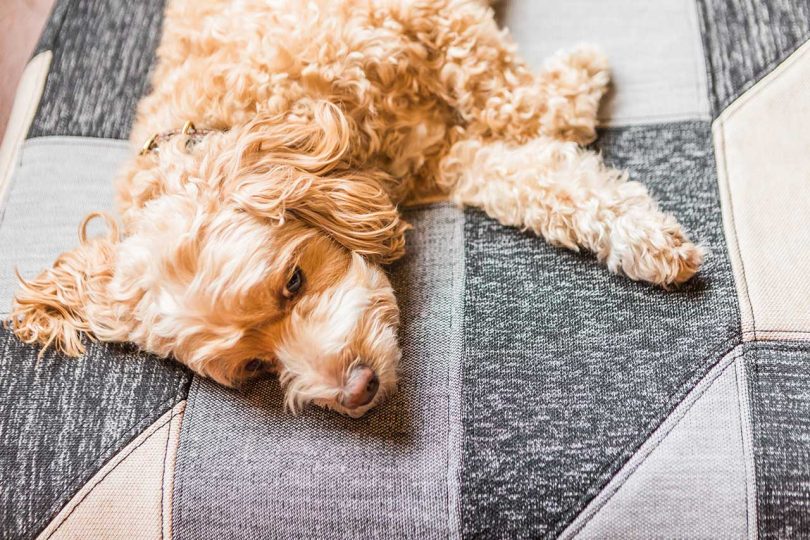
<point>58,181</point>
<point>654,48</point>
<point>693,484</point>
<point>248,469</point>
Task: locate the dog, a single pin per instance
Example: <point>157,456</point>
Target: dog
<point>257,222</point>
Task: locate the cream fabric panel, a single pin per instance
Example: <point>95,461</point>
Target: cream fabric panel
<point>762,143</point>
<point>29,91</point>
<point>131,496</point>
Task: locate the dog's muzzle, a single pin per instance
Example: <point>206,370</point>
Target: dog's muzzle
<point>361,387</point>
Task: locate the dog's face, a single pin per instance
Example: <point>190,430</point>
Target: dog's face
<point>241,296</point>
<point>256,251</point>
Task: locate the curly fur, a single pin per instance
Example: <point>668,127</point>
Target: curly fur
<point>328,115</point>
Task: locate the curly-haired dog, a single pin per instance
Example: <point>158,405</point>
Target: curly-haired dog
<point>255,243</point>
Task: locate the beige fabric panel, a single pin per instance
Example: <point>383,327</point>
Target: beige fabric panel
<point>762,142</point>
<point>29,92</point>
<point>131,496</point>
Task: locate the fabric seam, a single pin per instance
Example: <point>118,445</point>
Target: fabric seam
<point>733,233</point>
<point>123,458</point>
<point>732,356</point>
<point>128,435</point>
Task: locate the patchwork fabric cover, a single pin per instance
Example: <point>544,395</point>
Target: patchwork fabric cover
<point>541,396</point>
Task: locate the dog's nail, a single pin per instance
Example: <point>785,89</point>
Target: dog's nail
<point>361,387</point>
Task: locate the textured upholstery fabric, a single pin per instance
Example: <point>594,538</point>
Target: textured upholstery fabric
<point>692,484</point>
<point>131,495</point>
<point>533,380</point>
<point>763,168</point>
<point>29,91</point>
<point>746,39</point>
<point>568,369</point>
<point>58,181</point>
<point>656,61</point>
<point>102,52</point>
<point>388,475</point>
<point>62,419</point>
<point>780,388</point>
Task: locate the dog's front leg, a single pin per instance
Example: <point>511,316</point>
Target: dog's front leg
<point>570,197</point>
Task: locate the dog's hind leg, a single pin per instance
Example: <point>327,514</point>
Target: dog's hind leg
<point>567,195</point>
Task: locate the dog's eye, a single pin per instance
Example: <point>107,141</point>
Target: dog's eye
<point>294,283</point>
<point>253,366</point>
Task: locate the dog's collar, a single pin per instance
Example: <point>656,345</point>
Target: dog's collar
<point>194,136</point>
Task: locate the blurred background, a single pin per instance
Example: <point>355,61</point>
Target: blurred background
<point>21,21</point>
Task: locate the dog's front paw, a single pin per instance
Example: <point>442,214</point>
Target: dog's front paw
<point>659,255</point>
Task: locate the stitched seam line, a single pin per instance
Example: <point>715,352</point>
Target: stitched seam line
<point>769,78</point>
<point>732,356</point>
<point>101,459</point>
<point>746,432</point>
<point>640,438</point>
<point>74,141</point>
<point>733,230</point>
<point>62,522</point>
<point>762,74</point>
<point>178,480</point>
<point>163,472</point>
<point>453,255</point>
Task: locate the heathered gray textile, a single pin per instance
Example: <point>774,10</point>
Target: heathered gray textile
<point>745,39</point>
<point>690,479</point>
<point>248,469</point>
<point>567,368</point>
<point>102,53</point>
<point>57,182</point>
<point>779,377</point>
<point>61,419</point>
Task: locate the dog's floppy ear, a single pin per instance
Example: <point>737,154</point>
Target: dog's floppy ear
<point>299,166</point>
<point>70,298</point>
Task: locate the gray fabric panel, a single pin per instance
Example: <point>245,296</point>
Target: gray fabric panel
<point>654,49</point>
<point>247,469</point>
<point>102,53</point>
<point>61,420</point>
<point>567,368</point>
<point>744,40</point>
<point>779,376</point>
<point>57,182</point>
<point>693,484</point>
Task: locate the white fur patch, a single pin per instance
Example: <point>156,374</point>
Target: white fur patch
<point>323,332</point>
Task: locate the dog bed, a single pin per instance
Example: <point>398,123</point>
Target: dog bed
<point>540,396</point>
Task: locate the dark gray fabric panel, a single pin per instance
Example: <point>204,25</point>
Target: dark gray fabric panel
<point>567,368</point>
<point>248,469</point>
<point>102,53</point>
<point>745,39</point>
<point>779,376</point>
<point>62,419</point>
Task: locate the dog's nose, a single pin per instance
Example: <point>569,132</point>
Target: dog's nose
<point>361,387</point>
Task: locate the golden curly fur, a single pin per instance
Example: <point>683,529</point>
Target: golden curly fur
<point>263,240</point>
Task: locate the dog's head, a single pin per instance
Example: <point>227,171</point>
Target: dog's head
<point>255,250</point>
